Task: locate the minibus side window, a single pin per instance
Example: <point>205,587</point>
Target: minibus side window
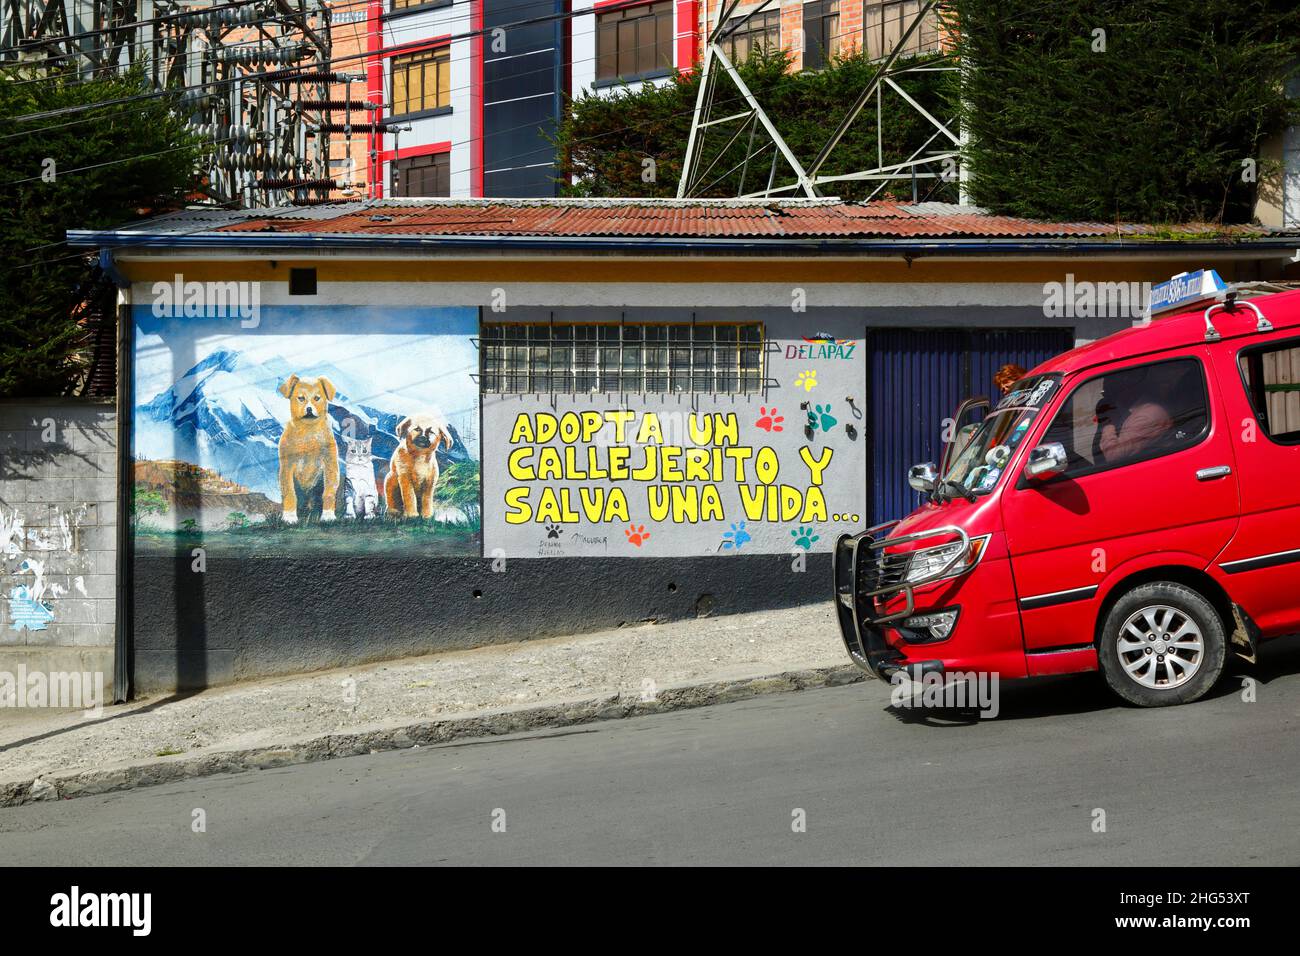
<point>1132,414</point>
<point>1272,378</point>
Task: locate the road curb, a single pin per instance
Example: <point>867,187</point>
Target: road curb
<point>65,786</point>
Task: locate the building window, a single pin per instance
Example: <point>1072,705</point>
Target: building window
<point>421,81</point>
<point>722,358</point>
<point>406,5</point>
<point>423,176</point>
<point>635,42</point>
<point>885,21</point>
<point>762,31</point>
<point>821,33</point>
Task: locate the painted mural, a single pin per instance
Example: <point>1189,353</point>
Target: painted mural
<point>779,471</point>
<point>321,428</point>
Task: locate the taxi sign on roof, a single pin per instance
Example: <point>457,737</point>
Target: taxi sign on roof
<point>1185,289</point>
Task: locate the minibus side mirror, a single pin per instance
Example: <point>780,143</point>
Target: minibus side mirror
<point>923,477</point>
<point>1046,461</point>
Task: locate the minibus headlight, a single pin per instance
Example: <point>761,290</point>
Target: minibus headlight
<point>930,561</point>
<point>938,624</point>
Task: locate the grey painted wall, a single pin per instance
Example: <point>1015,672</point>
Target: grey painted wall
<point>255,617</point>
<point>58,517</point>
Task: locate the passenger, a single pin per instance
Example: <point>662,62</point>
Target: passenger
<point>1007,376</point>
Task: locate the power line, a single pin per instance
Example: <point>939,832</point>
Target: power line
<point>361,129</point>
<point>281,18</point>
<point>284,212</point>
<point>114,162</point>
<point>128,25</point>
<point>181,57</point>
<point>288,75</point>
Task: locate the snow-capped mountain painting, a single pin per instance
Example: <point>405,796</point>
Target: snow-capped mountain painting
<point>207,394</point>
<point>226,414</point>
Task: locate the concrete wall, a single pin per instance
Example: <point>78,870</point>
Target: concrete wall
<point>1278,200</point>
<point>58,518</point>
<point>315,597</point>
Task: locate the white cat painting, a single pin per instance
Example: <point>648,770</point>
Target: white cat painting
<point>359,489</point>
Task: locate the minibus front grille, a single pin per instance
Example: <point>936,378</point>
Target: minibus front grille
<point>880,571</point>
<point>874,576</point>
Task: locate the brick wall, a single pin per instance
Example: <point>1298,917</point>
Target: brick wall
<point>792,38</point>
<point>58,536</point>
<point>850,28</point>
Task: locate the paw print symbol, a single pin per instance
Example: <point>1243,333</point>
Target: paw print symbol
<point>637,534</point>
<point>736,537</point>
<point>807,380</point>
<point>805,538</point>
<point>552,531</point>
<point>820,417</point>
<point>769,420</point>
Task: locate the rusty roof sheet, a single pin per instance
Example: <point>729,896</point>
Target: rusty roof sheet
<point>703,219</point>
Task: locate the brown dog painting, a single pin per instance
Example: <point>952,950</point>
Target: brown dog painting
<point>309,456</point>
<point>413,471</point>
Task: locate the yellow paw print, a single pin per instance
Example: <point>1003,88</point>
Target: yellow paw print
<point>806,380</point>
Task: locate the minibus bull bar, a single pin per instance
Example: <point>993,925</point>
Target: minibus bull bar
<point>865,574</point>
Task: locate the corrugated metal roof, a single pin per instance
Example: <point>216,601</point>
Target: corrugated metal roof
<point>789,219</point>
<point>667,226</point>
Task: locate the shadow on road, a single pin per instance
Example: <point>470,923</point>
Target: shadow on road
<point>1087,693</point>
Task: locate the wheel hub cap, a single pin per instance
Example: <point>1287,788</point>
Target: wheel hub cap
<point>1160,647</point>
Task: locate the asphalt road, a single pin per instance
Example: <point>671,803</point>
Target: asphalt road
<point>1216,782</point>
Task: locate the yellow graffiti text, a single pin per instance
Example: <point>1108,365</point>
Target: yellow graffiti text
<point>782,503</point>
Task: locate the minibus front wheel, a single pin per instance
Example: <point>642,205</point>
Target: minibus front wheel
<point>1162,643</point>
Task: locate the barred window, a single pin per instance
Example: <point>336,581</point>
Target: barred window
<point>714,358</point>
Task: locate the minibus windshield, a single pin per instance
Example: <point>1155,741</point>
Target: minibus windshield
<point>980,458</point>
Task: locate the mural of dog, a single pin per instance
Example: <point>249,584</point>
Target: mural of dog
<point>413,471</point>
<point>309,456</point>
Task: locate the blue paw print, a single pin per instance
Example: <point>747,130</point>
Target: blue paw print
<point>736,537</point>
<point>805,538</point>
<point>820,417</point>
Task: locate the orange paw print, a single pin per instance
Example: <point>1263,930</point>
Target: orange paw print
<point>637,534</point>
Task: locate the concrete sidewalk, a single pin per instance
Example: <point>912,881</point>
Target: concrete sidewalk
<point>491,690</point>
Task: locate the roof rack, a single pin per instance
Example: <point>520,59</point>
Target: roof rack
<point>1230,305</point>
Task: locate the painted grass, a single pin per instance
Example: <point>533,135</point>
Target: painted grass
<point>345,536</point>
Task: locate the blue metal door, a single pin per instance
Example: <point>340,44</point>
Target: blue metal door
<point>916,378</point>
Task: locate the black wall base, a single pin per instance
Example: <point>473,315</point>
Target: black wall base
<point>256,617</point>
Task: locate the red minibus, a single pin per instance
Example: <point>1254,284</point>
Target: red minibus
<point>1131,506</point>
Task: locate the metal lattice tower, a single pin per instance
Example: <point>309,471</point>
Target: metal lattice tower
<point>254,79</point>
<point>767,154</point>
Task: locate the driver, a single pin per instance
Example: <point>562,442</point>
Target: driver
<point>1133,422</point>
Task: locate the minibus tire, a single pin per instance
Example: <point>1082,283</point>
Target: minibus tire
<point>1143,609</point>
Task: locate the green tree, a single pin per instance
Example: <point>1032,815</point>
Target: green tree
<point>147,501</point>
<point>1137,110</point>
<point>80,170</point>
<point>604,141</point>
<point>458,487</point>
